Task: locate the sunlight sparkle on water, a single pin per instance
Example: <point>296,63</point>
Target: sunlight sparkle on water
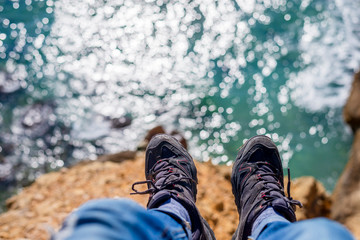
<point>218,71</point>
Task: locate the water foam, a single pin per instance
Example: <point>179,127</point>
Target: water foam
<point>330,47</point>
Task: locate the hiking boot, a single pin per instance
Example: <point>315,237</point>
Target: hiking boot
<point>257,183</point>
<point>171,173</point>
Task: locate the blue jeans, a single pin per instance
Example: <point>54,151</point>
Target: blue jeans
<point>110,219</point>
<point>115,219</point>
<point>317,228</point>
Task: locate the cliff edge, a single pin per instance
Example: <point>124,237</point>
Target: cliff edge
<point>41,207</point>
<point>346,196</point>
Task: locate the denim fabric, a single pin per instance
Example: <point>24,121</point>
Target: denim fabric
<point>312,229</point>
<point>115,219</point>
<point>266,217</point>
<point>172,206</point>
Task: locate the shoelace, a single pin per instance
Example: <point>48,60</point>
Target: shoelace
<point>167,171</point>
<point>269,198</point>
<point>291,200</point>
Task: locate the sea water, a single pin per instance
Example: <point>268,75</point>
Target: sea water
<point>83,78</point>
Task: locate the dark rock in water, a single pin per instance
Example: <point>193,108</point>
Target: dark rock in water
<point>152,132</point>
<point>121,122</point>
<point>159,112</point>
<point>6,182</point>
<point>8,84</point>
<point>352,108</point>
<point>38,119</point>
<point>179,137</point>
<point>159,130</point>
<point>7,177</point>
<point>7,148</point>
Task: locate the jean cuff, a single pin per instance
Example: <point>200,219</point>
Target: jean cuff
<point>273,218</point>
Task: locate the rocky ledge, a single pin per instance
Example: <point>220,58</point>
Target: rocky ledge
<point>41,207</point>
<point>346,196</point>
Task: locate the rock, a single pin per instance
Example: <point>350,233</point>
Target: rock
<point>142,145</point>
<point>6,148</point>
<point>346,195</point>
<point>152,132</point>
<point>351,111</point>
<point>118,157</point>
<point>54,195</point>
<point>312,194</point>
<point>8,84</point>
<point>346,204</point>
<point>7,178</point>
<point>121,122</point>
<point>179,137</point>
<point>158,130</point>
<point>38,119</point>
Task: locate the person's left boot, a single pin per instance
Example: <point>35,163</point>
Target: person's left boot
<point>171,173</point>
<point>258,183</point>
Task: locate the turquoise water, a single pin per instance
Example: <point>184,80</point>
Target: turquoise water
<point>82,78</point>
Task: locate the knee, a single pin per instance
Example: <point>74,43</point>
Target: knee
<point>101,218</point>
<point>327,229</point>
<point>116,205</point>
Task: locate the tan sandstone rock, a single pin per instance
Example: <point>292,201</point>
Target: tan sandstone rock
<point>312,194</point>
<point>346,196</point>
<point>351,111</point>
<point>41,207</point>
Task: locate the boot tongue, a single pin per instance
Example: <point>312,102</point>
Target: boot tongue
<point>272,183</point>
<point>168,174</point>
<point>159,165</point>
<point>164,173</point>
<point>160,177</point>
<point>264,169</point>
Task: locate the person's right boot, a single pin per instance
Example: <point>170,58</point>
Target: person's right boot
<point>171,173</point>
<point>257,183</point>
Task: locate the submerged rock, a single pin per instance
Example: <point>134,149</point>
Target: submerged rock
<point>121,122</point>
<point>38,119</point>
<point>7,83</point>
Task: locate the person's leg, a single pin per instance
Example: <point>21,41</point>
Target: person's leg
<point>258,186</point>
<point>264,219</point>
<point>265,212</point>
<point>113,219</point>
<point>312,229</point>
<point>173,207</point>
<point>171,178</point>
